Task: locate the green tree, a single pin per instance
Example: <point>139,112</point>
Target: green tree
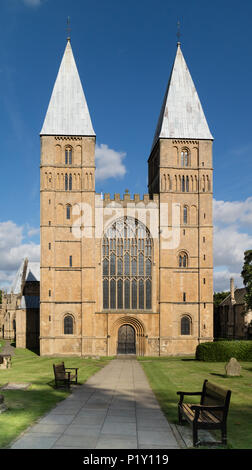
<point>219,296</point>
<point>247,277</point>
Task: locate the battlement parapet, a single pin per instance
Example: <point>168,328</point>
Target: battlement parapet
<point>127,200</point>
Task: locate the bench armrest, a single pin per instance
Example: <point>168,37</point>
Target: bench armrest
<point>182,394</point>
<point>71,368</point>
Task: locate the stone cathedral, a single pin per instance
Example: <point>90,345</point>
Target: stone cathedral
<point>126,275</point>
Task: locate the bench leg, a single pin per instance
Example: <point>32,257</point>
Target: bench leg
<point>224,434</point>
<point>179,415</point>
<point>195,435</point>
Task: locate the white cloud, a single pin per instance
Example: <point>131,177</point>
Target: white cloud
<point>13,249</point>
<point>233,211</point>
<point>33,231</point>
<point>109,163</point>
<point>229,247</point>
<point>232,236</point>
<point>222,280</point>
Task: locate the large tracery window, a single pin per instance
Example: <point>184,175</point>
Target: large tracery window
<point>127,265</point>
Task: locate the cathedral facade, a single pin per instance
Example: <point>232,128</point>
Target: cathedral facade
<point>126,275</point>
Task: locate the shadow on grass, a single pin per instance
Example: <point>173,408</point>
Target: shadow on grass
<point>249,369</point>
<point>224,376</point>
<point>33,349</point>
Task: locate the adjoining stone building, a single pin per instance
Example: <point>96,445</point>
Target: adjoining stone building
<point>20,307</point>
<point>126,275</point>
<point>232,319</point>
<point>1,319</point>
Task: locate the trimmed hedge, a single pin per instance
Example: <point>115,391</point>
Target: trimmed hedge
<point>221,351</point>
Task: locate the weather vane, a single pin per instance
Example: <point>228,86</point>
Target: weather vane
<point>178,32</point>
<point>68,28</point>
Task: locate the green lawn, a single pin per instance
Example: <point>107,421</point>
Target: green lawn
<point>168,375</point>
<point>25,407</point>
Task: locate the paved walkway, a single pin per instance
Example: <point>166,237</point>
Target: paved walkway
<point>114,409</point>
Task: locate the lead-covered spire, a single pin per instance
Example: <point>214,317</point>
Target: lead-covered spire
<point>181,115</point>
<point>68,113</point>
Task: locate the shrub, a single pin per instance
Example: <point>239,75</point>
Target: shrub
<point>221,351</point>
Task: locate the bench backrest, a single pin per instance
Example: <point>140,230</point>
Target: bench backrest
<point>214,395</point>
<point>59,370</point>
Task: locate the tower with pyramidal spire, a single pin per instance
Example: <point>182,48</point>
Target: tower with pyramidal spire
<point>124,290</point>
<point>67,282</point>
<point>180,171</point>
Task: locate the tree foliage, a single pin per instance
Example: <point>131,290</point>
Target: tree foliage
<point>247,277</point>
<point>219,297</point>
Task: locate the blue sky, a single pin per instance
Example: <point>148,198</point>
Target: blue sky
<point>124,52</point>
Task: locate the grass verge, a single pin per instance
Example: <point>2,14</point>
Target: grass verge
<point>170,374</point>
<point>26,406</point>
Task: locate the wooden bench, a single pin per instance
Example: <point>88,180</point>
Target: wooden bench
<point>63,375</point>
<point>211,413</point>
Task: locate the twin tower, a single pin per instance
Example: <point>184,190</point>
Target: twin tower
<point>126,275</point>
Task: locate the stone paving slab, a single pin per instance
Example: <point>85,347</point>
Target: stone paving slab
<point>114,409</point>
<point>16,386</point>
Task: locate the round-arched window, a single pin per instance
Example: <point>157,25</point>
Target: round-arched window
<point>68,156</point>
<point>68,325</point>
<point>185,157</point>
<point>183,260</point>
<point>185,326</point>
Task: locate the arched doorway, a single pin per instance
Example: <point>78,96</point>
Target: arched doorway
<point>126,340</point>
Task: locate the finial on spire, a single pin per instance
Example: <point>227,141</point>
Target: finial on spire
<point>68,28</point>
<point>178,33</point>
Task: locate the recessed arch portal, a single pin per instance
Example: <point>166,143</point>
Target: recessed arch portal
<point>126,343</point>
<point>139,330</point>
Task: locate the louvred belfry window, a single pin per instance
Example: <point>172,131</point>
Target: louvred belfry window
<point>127,265</point>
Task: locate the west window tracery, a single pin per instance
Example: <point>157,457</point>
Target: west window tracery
<point>127,265</point>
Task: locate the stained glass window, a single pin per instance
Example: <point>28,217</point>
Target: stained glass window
<point>127,265</point>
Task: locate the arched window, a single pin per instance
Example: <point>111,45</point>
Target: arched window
<point>68,212</point>
<point>70,182</point>
<point>66,182</point>
<point>68,156</point>
<point>68,325</point>
<point>185,326</point>
<point>208,184</point>
<point>183,260</point>
<point>185,215</point>
<point>183,184</point>
<point>187,184</point>
<point>127,265</point>
<point>184,157</point>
